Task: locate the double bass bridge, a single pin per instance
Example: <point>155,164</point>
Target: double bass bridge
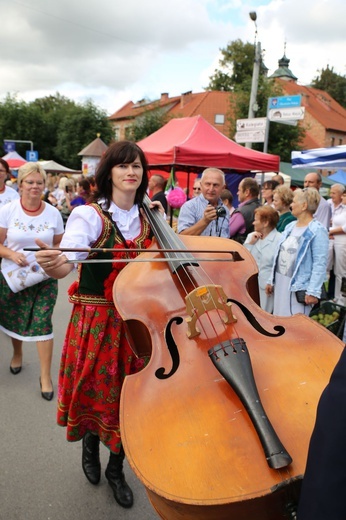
<point>204,299</point>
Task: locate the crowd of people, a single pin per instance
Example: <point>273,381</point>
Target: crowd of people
<point>297,239</point>
<point>297,245</point>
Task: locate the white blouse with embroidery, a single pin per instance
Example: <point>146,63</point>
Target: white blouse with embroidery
<point>23,229</point>
<point>84,226</point>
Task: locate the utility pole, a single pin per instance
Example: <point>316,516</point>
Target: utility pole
<point>253,107</point>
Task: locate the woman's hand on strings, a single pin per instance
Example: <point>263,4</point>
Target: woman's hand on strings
<point>154,204</point>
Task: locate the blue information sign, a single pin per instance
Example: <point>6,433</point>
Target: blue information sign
<point>9,146</point>
<point>284,102</point>
<point>31,155</point>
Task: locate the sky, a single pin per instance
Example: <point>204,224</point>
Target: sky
<point>115,51</point>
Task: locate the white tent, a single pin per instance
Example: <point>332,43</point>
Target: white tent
<point>52,166</point>
<point>267,176</point>
<point>333,157</point>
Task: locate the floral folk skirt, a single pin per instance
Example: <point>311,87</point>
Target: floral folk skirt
<point>95,360</point>
<point>27,314</point>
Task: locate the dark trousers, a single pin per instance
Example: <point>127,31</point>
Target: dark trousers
<point>323,495</point>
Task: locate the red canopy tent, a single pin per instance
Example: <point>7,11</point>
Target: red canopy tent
<point>190,144</point>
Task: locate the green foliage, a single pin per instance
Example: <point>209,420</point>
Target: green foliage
<point>236,66</point>
<point>332,83</point>
<point>78,128</point>
<point>148,123</point>
<point>58,127</point>
<point>236,77</point>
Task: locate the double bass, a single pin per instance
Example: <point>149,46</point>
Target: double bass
<point>217,425</point>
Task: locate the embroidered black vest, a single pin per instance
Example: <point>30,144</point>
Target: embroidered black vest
<point>92,276</point>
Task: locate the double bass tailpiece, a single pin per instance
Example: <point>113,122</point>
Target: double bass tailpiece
<point>232,360</point>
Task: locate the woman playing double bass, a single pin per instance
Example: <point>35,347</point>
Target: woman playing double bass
<point>96,355</point>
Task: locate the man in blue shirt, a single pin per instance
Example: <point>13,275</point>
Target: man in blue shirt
<point>206,215</point>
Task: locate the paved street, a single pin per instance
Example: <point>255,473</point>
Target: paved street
<point>40,472</point>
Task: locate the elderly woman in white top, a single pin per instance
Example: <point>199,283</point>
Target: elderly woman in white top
<point>27,313</point>
<point>262,243</point>
<point>300,262</point>
<point>337,236</point>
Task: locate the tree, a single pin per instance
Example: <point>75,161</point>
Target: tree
<point>237,69</point>
<point>146,124</point>
<point>78,128</point>
<point>19,122</point>
<point>58,127</point>
<point>332,83</point>
<point>53,110</point>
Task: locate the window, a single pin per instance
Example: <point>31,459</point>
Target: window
<point>128,132</point>
<point>116,133</point>
<point>219,119</point>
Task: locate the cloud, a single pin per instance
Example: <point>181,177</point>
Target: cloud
<point>312,32</point>
<point>113,51</point>
<point>108,42</point>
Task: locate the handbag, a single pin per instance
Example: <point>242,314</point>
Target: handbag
<point>300,295</point>
<point>343,286</point>
<point>19,278</point>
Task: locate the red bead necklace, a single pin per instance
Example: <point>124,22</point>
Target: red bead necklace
<point>31,210</point>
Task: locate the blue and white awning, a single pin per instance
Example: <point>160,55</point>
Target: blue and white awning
<point>333,157</point>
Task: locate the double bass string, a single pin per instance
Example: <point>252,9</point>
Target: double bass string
<point>190,273</point>
<point>199,273</point>
<point>161,229</point>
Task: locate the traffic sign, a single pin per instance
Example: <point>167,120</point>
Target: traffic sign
<point>286,114</point>
<point>250,136</point>
<point>257,123</point>
<point>31,155</point>
<point>285,101</point>
<point>9,146</point>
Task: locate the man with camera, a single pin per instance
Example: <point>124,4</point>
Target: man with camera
<point>206,215</point>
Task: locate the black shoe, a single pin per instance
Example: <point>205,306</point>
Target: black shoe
<point>48,396</point>
<point>91,458</point>
<point>15,370</point>
<point>116,479</point>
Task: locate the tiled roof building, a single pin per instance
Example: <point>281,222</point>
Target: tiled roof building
<point>213,106</point>
<point>324,121</point>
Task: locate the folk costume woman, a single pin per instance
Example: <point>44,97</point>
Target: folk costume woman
<point>96,355</point>
<point>27,315</point>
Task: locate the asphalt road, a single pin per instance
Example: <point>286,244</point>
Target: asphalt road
<point>40,472</point>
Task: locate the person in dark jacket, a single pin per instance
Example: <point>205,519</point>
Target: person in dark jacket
<point>241,221</point>
<point>157,184</point>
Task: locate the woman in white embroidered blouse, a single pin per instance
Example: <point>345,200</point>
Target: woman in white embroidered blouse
<point>27,314</point>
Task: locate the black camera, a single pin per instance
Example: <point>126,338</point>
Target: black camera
<point>220,212</point>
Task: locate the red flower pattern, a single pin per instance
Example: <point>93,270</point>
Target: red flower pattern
<point>118,266</point>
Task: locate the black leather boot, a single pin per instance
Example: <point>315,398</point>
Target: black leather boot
<point>91,458</point>
<point>116,479</point>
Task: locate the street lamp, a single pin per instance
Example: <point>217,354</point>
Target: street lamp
<point>253,107</point>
